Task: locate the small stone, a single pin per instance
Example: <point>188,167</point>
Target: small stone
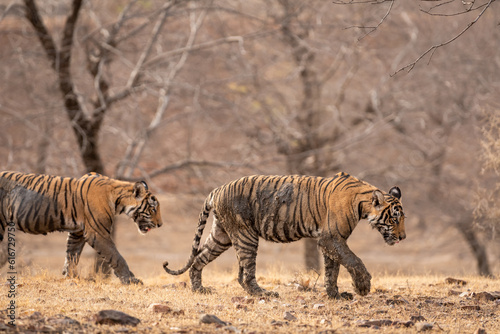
<point>159,308</point>
<point>232,329</point>
<point>318,306</point>
<point>242,300</point>
<point>379,323</point>
<point>453,293</point>
<point>485,296</point>
<point>465,294</point>
<point>62,320</point>
<point>278,323</point>
<point>396,301</point>
<point>495,294</point>
<point>471,307</point>
<point>480,331</point>
<point>47,328</point>
<point>112,317</point>
<point>362,323</point>
<point>239,306</point>
<point>416,318</point>
<point>423,326</point>
<point>35,315</point>
<point>403,323</point>
<point>451,280</point>
<point>211,319</point>
<point>288,316</point>
<point>177,312</point>
<point>237,299</point>
<point>325,322</point>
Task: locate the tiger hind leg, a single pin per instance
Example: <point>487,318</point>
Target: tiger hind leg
<point>74,247</point>
<point>217,243</point>
<point>246,250</point>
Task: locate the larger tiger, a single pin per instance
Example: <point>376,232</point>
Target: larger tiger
<point>286,209</point>
<point>85,207</point>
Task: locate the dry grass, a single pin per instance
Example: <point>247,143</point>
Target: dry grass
<point>394,298</point>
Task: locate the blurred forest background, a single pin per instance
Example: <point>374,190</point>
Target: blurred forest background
<point>189,95</point>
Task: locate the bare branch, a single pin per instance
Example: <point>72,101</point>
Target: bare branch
<point>373,29</point>
<point>466,11</point>
<point>206,45</point>
<point>199,163</point>
<point>433,48</point>
<point>46,40</point>
<point>154,36</point>
<point>12,8</point>
<point>135,150</point>
<point>22,118</point>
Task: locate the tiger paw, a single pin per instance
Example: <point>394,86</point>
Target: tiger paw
<point>131,280</point>
<point>271,294</point>
<point>336,295</point>
<point>263,292</point>
<point>362,285</point>
<point>70,275</point>
<point>361,280</point>
<point>346,295</point>
<point>137,281</point>
<point>203,290</point>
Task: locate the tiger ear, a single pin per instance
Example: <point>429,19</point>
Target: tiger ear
<point>396,192</point>
<point>377,198</point>
<point>140,189</point>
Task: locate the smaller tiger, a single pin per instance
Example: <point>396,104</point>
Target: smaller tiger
<point>289,208</point>
<point>84,207</point>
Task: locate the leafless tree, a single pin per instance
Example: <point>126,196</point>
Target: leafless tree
<point>86,114</point>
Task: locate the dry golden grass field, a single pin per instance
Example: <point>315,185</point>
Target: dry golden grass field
<point>409,289</point>
<point>396,304</point>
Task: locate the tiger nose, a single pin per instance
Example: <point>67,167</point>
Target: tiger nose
<point>402,236</point>
<point>160,223</point>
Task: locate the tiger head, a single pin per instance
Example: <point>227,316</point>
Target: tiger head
<point>387,216</point>
<point>146,211</point>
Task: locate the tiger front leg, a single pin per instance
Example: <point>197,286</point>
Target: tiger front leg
<point>332,268</point>
<point>337,250</point>
<point>106,248</point>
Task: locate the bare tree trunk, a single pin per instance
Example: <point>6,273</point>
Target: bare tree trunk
<point>311,255</point>
<point>85,128</point>
<point>477,247</point>
<point>309,113</point>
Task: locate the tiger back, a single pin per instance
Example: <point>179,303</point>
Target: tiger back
<point>286,209</point>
